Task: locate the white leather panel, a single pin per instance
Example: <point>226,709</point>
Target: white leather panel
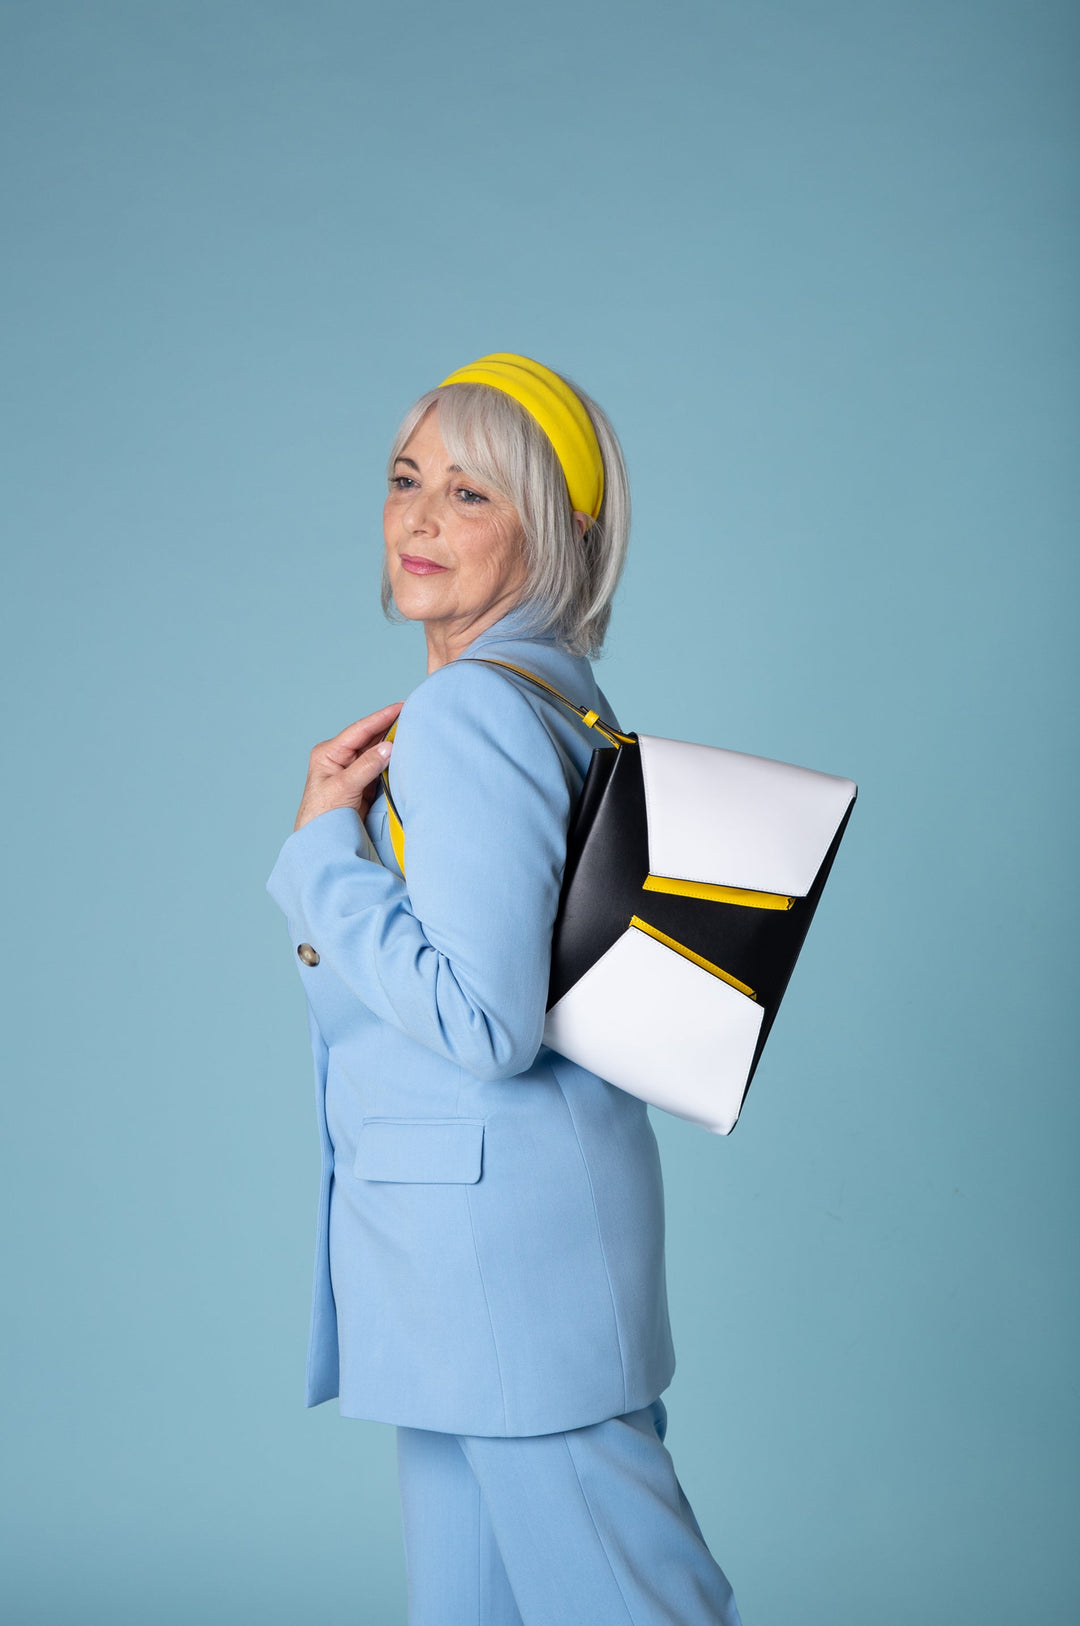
<point>660,1027</point>
<point>738,820</point>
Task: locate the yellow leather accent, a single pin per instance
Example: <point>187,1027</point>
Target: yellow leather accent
<point>590,718</point>
<point>393,822</point>
<point>688,954</point>
<point>397,834</point>
<point>716,894</point>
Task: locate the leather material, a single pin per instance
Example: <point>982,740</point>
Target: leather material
<point>738,820</point>
<point>607,860</point>
<point>695,813</point>
<point>700,813</point>
<point>692,1051</point>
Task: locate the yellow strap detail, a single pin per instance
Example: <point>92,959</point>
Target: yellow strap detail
<point>716,894</point>
<point>397,834</point>
<point>393,822</point>
<point>590,718</point>
<point>688,954</point>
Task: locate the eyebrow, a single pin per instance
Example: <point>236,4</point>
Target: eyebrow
<point>451,468</point>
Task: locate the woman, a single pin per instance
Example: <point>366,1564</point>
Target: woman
<point>490,1267</point>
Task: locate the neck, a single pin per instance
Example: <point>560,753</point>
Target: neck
<point>447,639</point>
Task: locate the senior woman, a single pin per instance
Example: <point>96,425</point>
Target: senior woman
<point>490,1258</point>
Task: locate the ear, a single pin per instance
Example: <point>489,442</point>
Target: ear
<point>581,522</point>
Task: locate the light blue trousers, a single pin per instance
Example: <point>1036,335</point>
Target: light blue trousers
<point>590,1526</point>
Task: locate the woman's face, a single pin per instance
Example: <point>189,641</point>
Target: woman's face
<point>454,546</point>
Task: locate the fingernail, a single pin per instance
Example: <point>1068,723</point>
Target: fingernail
<point>384,749</point>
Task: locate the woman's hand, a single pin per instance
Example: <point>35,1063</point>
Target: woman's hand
<point>342,771</point>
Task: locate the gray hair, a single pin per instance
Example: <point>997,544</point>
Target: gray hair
<point>569,580</point>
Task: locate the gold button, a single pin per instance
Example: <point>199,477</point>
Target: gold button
<point>309,955</point>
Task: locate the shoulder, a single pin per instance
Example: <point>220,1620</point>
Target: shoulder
<point>460,695</point>
<point>468,716</point>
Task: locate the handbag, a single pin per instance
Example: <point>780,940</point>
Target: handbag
<point>692,875</point>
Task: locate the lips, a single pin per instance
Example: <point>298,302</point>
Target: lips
<point>420,567</point>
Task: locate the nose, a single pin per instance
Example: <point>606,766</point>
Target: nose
<point>418,513</point>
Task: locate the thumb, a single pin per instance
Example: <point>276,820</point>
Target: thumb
<point>367,767</point>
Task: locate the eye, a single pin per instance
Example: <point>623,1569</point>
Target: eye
<point>396,479</point>
<point>470,498</point>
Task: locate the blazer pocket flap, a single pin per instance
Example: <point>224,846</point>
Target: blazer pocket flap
<point>420,1149</point>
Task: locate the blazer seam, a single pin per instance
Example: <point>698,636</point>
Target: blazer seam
<point>542,707</point>
<point>487,1305</point>
<point>316,1362</point>
<point>315,1366</point>
<point>599,1232</point>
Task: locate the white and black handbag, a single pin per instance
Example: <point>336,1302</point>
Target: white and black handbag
<point>692,876</point>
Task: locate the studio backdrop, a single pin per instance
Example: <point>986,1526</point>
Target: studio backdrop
<point>817,262</point>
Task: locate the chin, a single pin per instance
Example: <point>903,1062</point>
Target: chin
<point>414,599</point>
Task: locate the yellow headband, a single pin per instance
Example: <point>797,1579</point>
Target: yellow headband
<point>556,409</point>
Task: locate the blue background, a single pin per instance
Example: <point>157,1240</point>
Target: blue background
<point>817,260</point>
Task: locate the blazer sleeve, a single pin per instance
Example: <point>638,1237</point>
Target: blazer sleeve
<point>458,954</point>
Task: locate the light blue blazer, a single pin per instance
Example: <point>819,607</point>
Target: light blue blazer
<point>490,1248</point>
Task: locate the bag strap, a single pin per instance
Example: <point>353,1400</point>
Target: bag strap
<point>591,719</point>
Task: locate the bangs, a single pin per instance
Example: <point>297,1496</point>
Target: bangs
<point>493,438</point>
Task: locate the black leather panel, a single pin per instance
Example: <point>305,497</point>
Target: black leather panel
<point>607,860</point>
<point>606,864</point>
<point>807,905</point>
